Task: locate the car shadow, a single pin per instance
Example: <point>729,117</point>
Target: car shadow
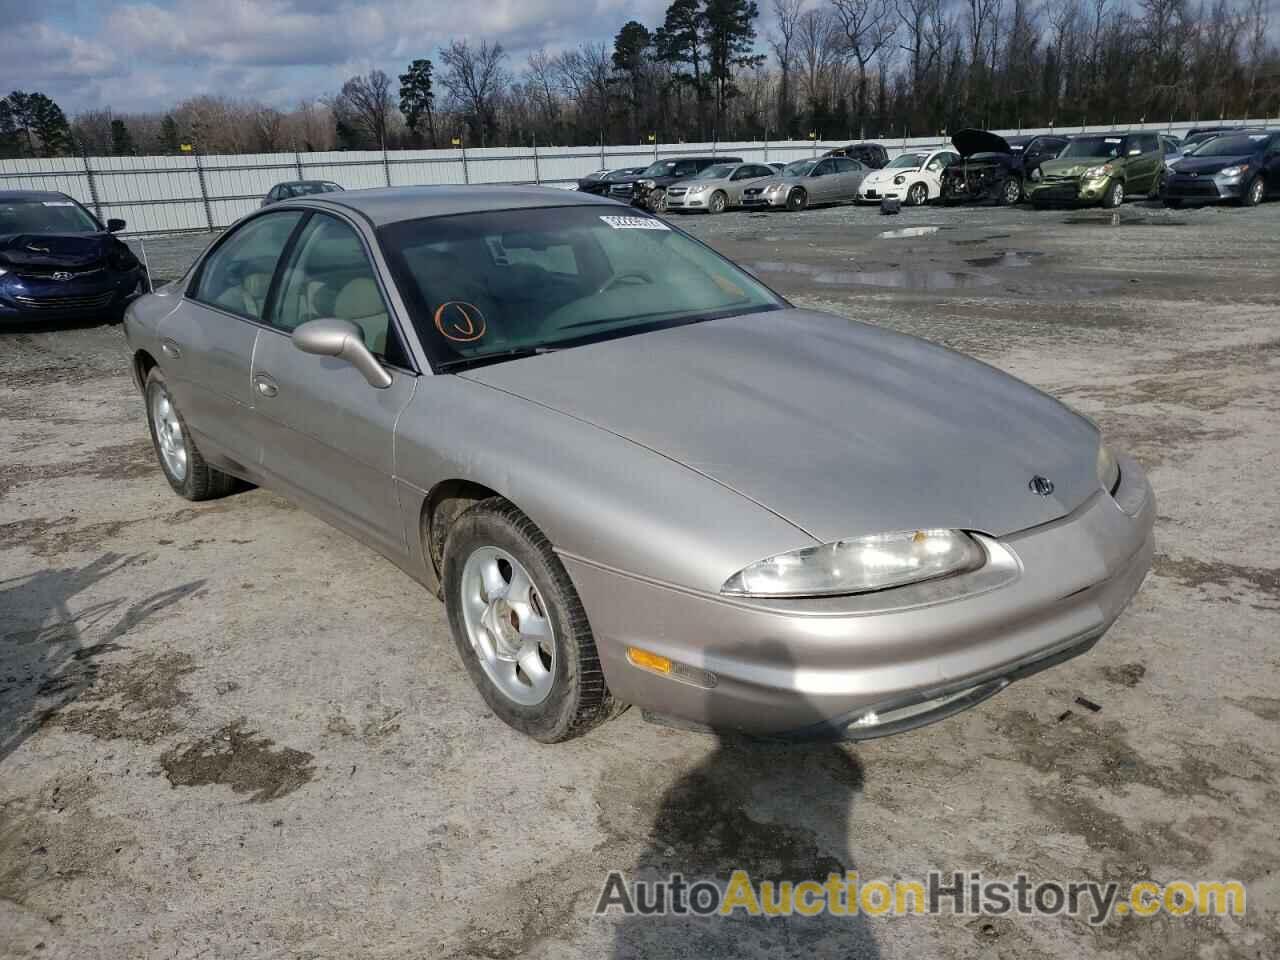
<point>778,810</point>
<point>48,651</point>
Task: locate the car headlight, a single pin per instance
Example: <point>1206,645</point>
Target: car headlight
<point>3,271</point>
<point>647,183</point>
<point>1232,172</point>
<point>1108,469</point>
<point>900,179</point>
<point>1035,174</point>
<point>693,190</point>
<point>859,564</point>
<point>1093,173</point>
<point>773,188</point>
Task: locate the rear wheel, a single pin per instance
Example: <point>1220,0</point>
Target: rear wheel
<point>918,195</point>
<point>797,200</point>
<point>1253,192</point>
<point>179,457</point>
<point>1114,196</point>
<point>718,202</point>
<point>519,626</point>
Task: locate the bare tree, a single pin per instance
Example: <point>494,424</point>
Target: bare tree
<point>868,26</point>
<point>365,101</point>
<point>787,14</point>
<point>585,76</point>
<point>476,78</point>
<point>819,48</point>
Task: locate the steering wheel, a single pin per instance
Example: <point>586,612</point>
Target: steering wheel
<point>631,276</point>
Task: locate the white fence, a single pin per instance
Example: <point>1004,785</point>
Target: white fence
<point>200,193</point>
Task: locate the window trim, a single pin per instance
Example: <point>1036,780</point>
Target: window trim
<point>198,274</point>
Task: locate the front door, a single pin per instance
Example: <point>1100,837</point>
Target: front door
<point>327,435</point>
<point>207,342</point>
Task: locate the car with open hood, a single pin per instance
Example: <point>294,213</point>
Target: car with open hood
<point>58,261</point>
<point>914,177</point>
<point>599,181</point>
<point>633,472</point>
<point>805,183</point>
<point>1241,167</point>
<point>993,168</point>
<point>1103,169</point>
<point>717,188</point>
<point>648,188</point>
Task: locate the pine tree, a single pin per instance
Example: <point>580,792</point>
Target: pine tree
<point>417,99</point>
<point>121,139</point>
<point>170,139</point>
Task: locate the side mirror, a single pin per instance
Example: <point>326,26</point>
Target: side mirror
<point>341,339</point>
<point>115,225</point>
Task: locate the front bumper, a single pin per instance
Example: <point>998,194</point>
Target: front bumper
<point>804,668</point>
<point>1206,187</point>
<point>29,299</point>
<point>878,192</point>
<point>1072,192</point>
<point>776,201</point>
<point>686,201</point>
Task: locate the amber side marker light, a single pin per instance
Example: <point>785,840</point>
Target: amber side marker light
<point>656,663</point>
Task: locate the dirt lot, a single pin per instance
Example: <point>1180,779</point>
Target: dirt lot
<point>227,730</point>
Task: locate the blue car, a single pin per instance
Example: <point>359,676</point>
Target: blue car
<point>58,262</point>
<point>1242,167</point>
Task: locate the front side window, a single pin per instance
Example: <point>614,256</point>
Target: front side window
<point>482,286</point>
<point>237,275</point>
<point>330,276</point>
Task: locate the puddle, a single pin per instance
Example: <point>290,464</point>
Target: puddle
<point>1116,220</point>
<point>1008,258</point>
<point>243,761</point>
<point>908,232</point>
<point>974,241</point>
<point>898,279</point>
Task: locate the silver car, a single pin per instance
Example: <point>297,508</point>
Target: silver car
<point>806,182</point>
<point>634,473</point>
<point>717,188</point>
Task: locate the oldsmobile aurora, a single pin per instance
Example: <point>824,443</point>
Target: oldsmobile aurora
<point>636,475</point>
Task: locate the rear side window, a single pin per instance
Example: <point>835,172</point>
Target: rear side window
<point>237,275</point>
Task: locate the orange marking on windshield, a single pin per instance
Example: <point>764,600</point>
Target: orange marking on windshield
<point>460,321</point>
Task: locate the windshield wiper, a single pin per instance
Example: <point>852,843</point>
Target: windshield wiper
<point>464,363</point>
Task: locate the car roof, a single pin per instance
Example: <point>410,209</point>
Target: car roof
<point>17,196</point>
<point>395,204</point>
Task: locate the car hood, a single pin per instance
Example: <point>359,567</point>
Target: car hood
<point>1209,164</point>
<point>693,183</point>
<point>969,142</point>
<point>69,250</point>
<point>839,427</point>
<point>1075,166</point>
<point>886,175</point>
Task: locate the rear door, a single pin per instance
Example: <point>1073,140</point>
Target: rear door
<point>1143,169</point>
<point>207,342</point>
<point>327,435</point>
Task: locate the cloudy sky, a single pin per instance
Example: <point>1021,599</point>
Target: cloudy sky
<point>148,55</point>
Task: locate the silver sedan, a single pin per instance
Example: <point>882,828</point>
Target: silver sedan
<point>807,182</point>
<point>635,474</point>
<point>716,188</point>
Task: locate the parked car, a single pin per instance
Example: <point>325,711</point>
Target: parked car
<point>634,473</point>
<point>298,188</point>
<point>777,165</point>
<point>58,261</point>
<point>872,155</point>
<point>995,168</point>
<point>717,188</point>
<point>1242,167</point>
<point>806,182</point>
<point>648,188</point>
<point>915,178</point>
<point>1102,169</point>
<point>600,181</point>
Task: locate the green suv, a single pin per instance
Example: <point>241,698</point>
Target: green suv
<point>1100,168</point>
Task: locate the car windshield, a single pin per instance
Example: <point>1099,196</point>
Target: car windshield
<point>799,168</point>
<point>1093,147</point>
<point>45,216</point>
<point>1231,146</point>
<point>717,172</point>
<point>660,168</point>
<point>486,286</point>
<point>907,161</point>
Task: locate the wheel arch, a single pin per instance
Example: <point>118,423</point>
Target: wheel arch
<point>443,504</point>
<point>143,363</point>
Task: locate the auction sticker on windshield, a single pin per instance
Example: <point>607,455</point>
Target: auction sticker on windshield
<point>635,223</point>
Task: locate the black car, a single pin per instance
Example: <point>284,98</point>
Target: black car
<point>648,188</point>
<point>599,182</point>
<point>57,261</point>
<point>872,155</point>
<point>1242,167</point>
<point>995,168</point>
<point>299,188</point>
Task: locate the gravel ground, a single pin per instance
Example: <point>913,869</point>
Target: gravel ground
<point>227,730</point>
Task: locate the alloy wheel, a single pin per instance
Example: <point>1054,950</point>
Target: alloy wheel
<point>508,626</point>
<point>168,430</point>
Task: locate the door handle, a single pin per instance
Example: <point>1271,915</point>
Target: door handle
<point>170,349</point>
<point>265,385</point>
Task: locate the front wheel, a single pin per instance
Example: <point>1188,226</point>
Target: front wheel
<point>1114,196</point>
<point>918,195</point>
<point>179,457</point>
<point>1253,192</point>
<point>658,201</point>
<point>718,202</point>
<point>797,200</point>
<point>1011,192</point>
<point>519,625</point>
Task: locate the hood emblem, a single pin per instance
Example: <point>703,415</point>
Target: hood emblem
<point>62,275</point>
<point>1042,486</point>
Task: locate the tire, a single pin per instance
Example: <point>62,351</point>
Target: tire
<point>657,201</point>
<point>718,203</point>
<point>918,195</point>
<point>484,538</point>
<point>1114,197</point>
<point>1011,192</point>
<point>180,459</point>
<point>1173,203</point>
<point>1254,191</point>
<point>797,200</point>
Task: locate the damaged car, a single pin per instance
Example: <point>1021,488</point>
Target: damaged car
<point>1101,169</point>
<point>599,181</point>
<point>648,188</point>
<point>914,178</point>
<point>996,169</point>
<point>59,262</point>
